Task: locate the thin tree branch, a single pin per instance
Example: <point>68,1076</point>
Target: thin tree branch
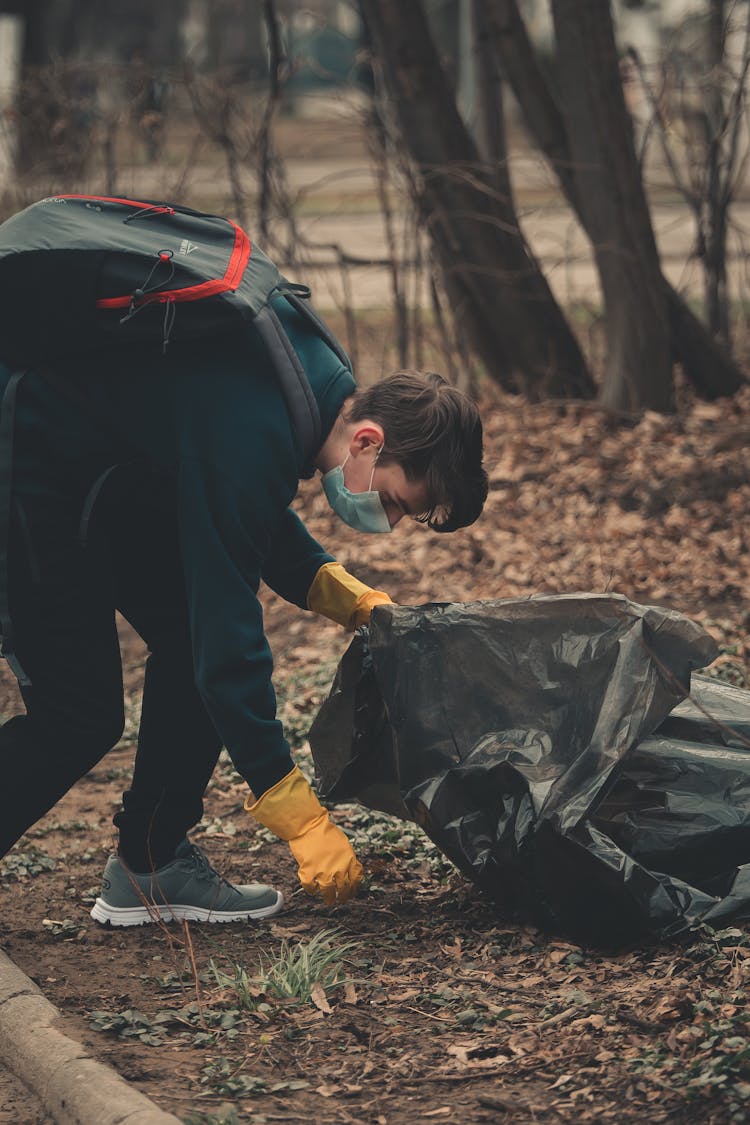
<point>658,118</point>
<point>735,114</point>
<point>275,62</point>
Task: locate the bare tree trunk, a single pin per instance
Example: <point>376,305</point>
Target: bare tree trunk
<point>491,120</point>
<point>45,31</point>
<point>638,370</point>
<point>493,282</point>
<point>377,137</point>
<point>713,216</point>
<point>235,43</point>
<point>708,367</point>
<point>520,65</point>
<point>10,72</point>
<point>273,99</point>
<point>714,242</point>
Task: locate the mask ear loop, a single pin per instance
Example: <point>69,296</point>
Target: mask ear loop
<point>372,474</point>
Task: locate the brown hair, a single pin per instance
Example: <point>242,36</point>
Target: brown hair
<point>434,432</point>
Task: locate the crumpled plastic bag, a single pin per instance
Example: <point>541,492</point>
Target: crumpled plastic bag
<point>544,745</point>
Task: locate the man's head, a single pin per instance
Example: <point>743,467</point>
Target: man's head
<point>417,441</point>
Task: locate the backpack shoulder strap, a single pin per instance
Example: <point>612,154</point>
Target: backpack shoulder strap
<point>298,297</point>
<point>300,400</point>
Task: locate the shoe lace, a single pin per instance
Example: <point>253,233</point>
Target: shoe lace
<point>204,869</point>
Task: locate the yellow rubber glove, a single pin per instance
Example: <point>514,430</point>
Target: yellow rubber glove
<point>340,596</point>
<point>327,864</point>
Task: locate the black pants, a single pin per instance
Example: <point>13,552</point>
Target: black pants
<point>63,597</point>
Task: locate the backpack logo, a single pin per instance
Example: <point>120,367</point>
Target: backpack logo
<point>187,247</point>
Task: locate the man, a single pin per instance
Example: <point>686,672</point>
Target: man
<point>193,517</point>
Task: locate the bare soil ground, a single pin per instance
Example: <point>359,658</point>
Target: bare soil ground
<point>449,1009</point>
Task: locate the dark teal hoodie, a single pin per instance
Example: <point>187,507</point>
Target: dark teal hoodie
<point>211,416</point>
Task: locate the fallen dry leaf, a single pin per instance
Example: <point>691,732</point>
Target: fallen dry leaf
<point>350,994</point>
<point>319,998</point>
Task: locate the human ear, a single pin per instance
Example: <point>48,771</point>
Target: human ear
<point>367,434</point>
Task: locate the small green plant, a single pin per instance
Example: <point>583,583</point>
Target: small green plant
<point>200,1025</point>
<point>132,720</point>
<point>294,971</point>
<point>227,1079</point>
<point>217,826</point>
<point>118,773</point>
<point>63,928</point>
<point>130,1024</point>
<point>298,967</point>
<point>224,1115</point>
<point>69,827</point>
<point>26,864</point>
<point>240,983</point>
<point>300,696</point>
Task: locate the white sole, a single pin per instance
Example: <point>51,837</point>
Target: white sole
<point>143,915</point>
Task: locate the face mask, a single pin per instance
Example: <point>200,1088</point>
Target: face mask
<point>363,511</point>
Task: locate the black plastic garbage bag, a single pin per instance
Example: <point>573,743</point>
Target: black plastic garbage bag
<point>538,742</point>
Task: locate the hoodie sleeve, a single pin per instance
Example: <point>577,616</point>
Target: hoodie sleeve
<point>225,535</point>
<point>293,560</point>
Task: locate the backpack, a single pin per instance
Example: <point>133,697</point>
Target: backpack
<point>83,272</point>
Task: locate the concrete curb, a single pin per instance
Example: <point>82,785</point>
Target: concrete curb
<point>73,1088</point>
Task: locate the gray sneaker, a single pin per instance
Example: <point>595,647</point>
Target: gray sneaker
<point>188,888</point>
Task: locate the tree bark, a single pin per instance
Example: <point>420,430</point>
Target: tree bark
<point>236,44</point>
<point>713,216</point>
<point>11,30</point>
<point>638,370</point>
<point>490,132</point>
<point>708,367</point>
<point>493,281</point>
